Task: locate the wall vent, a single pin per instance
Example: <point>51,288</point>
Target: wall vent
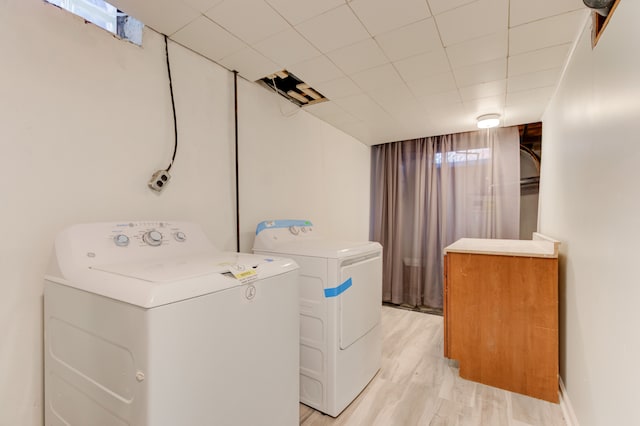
<point>292,88</point>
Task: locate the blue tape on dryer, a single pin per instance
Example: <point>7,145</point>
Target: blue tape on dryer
<point>337,291</point>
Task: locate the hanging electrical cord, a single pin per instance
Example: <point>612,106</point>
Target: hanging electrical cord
<point>173,105</point>
<point>161,177</point>
<point>278,100</point>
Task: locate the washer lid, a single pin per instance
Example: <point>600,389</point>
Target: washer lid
<point>156,282</point>
<point>173,269</point>
<point>323,248</point>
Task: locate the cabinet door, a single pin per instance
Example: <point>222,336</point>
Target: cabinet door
<point>502,321</point>
<point>446,306</point>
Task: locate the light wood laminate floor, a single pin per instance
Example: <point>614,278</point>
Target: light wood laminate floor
<point>416,385</point>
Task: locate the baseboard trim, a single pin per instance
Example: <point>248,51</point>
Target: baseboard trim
<point>566,407</point>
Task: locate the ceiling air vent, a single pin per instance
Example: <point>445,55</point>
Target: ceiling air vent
<point>291,87</point>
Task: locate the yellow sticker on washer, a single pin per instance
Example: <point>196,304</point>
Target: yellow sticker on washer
<point>244,274</point>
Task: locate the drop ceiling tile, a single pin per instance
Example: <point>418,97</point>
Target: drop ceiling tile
<point>479,50</point>
<point>474,20</point>
<point>202,5</point>
<point>398,101</point>
<point>340,119</point>
<point>423,65</point>
<point>249,20</point>
<point>481,106</point>
<point>438,83</point>
<point>297,11</point>
<point>338,88</point>
<point>380,16</point>
<point>358,57</point>
<point>439,6</point>
<point>164,16</point>
<point>484,90</point>
<point>451,119</point>
<point>323,109</point>
<point>363,107</point>
<point>538,60</point>
<point>409,112</point>
<point>416,38</point>
<point>331,113</point>
<point>393,97</point>
<point>316,70</point>
<point>208,39</point>
<point>531,96</point>
<point>547,32</point>
<point>523,11</point>
<point>411,115</point>
<point>334,29</point>
<point>250,64</point>
<point>374,78</point>
<point>287,47</point>
<point>533,80</point>
<point>439,100</point>
<point>481,73</point>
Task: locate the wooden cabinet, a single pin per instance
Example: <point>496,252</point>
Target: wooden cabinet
<point>501,313</point>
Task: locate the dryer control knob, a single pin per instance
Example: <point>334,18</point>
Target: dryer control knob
<point>180,236</point>
<point>153,238</point>
<point>294,230</point>
<point>121,240</point>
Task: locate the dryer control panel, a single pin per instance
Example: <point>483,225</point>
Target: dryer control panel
<point>285,230</point>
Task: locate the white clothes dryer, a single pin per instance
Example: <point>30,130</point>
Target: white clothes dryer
<point>340,306</point>
<point>146,323</point>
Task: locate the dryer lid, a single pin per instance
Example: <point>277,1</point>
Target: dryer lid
<point>322,248</point>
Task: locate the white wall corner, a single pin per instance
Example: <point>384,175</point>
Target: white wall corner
<point>566,407</point>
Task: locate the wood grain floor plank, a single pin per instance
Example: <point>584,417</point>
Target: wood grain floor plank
<point>417,386</point>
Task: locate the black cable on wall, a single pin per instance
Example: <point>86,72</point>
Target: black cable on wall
<point>173,105</point>
<point>235,101</point>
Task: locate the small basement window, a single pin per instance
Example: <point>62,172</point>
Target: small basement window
<point>106,16</point>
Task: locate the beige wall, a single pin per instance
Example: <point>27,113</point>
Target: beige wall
<point>590,201</point>
<point>296,167</point>
<point>86,120</point>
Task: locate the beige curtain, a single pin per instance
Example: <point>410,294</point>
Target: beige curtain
<point>429,192</point>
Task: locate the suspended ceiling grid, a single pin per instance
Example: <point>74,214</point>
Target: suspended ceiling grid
<point>391,69</point>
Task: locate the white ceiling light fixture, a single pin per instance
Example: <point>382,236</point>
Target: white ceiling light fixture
<point>488,121</point>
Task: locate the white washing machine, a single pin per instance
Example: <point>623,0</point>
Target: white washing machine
<point>147,324</point>
<point>340,305</point>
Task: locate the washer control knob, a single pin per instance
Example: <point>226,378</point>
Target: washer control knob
<point>294,230</point>
<point>153,238</point>
<point>121,240</point>
<point>180,236</point>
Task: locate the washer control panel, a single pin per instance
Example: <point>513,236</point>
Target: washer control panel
<point>152,234</point>
<point>104,243</point>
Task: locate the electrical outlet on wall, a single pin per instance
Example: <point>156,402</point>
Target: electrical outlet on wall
<point>159,180</point>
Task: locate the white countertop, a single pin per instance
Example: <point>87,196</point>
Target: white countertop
<point>540,246</point>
